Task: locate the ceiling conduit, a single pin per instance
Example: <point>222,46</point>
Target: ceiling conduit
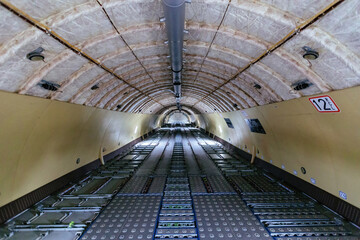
<point>174,18</point>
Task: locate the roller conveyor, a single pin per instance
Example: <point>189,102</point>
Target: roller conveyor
<point>176,216</point>
<point>179,184</point>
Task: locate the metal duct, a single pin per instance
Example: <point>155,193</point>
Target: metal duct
<point>178,105</point>
<point>176,77</point>
<point>177,89</point>
<point>174,18</point>
<point>177,84</point>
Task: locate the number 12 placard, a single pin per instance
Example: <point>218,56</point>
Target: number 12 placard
<point>324,104</point>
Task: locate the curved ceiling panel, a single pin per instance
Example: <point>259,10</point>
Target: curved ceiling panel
<point>239,54</point>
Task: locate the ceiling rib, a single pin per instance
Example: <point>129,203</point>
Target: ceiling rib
<point>154,108</point>
<point>195,92</point>
<point>129,105</point>
<point>152,91</point>
<point>212,40</point>
<point>132,101</point>
<point>264,86</point>
<point>116,99</point>
<point>304,69</point>
<point>282,80</point>
<point>290,35</point>
<point>88,85</point>
<point>122,38</point>
<point>103,87</point>
<point>44,70</point>
<point>239,97</point>
<point>72,78</point>
<point>137,106</point>
<point>57,37</point>
<point>106,95</point>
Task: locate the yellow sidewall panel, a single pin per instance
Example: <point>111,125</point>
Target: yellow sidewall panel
<point>326,144</point>
<point>41,139</point>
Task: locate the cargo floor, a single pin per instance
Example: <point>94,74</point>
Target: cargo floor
<point>178,184</point>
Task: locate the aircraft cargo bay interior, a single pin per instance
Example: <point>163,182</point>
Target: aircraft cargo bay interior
<point>179,119</point>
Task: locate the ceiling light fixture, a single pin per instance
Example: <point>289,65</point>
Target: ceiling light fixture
<point>36,55</point>
<point>257,86</point>
<point>96,86</point>
<point>310,54</point>
<point>49,85</point>
<point>300,85</point>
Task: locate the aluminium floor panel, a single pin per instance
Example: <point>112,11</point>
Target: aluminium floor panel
<point>227,217</point>
<point>126,217</point>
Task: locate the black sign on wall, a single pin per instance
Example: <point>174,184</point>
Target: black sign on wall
<point>229,123</point>
<point>255,126</point>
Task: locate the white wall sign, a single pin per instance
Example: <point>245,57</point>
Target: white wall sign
<point>324,104</point>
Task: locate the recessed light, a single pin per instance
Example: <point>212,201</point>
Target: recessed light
<point>310,54</point>
<point>257,86</point>
<point>96,86</point>
<point>36,55</point>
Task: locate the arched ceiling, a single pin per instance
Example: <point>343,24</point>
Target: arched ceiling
<point>177,116</point>
<point>232,46</point>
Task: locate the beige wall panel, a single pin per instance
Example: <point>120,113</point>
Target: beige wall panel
<point>41,139</point>
<point>326,144</point>
<point>90,140</point>
<point>17,117</point>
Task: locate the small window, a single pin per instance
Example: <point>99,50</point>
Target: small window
<point>255,126</point>
<point>229,123</point>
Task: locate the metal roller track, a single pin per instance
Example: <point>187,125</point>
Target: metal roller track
<point>176,218</point>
